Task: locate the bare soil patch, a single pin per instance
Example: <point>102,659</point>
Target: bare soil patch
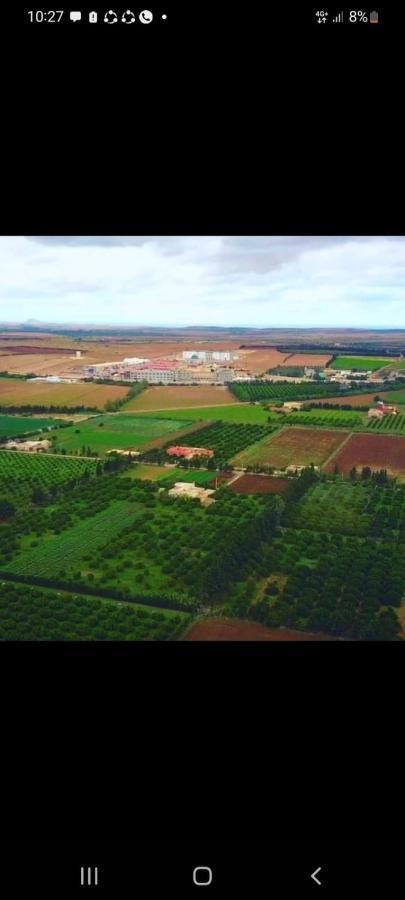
<point>378,451</point>
<point>237,630</point>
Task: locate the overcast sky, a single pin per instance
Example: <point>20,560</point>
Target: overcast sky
<point>246,281</point>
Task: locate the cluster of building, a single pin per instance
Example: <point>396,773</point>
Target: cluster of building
<point>190,489</point>
<point>189,367</point>
<point>189,452</point>
<point>382,409</point>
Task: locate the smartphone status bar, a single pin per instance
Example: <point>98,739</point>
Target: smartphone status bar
<point>116,16</point>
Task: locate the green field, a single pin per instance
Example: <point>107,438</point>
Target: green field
<point>14,426</point>
<point>41,614</point>
<point>55,553</point>
<point>150,472</point>
<point>397,396</point>
<point>114,431</point>
<point>277,390</point>
<point>362,363</point>
<point>326,418</point>
<point>21,472</point>
<point>202,478</point>
<point>241,413</point>
<point>392,424</point>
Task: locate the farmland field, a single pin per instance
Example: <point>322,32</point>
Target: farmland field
<point>12,426</point>
<point>393,423</point>
<point>170,397</point>
<point>229,630</point>
<point>21,472</point>
<point>292,447</point>
<point>260,360</point>
<point>321,418</point>
<point>279,390</point>
<point>238,412</point>
<point>355,400</point>
<point>41,614</point>
<point>361,363</point>
<point>57,552</point>
<point>394,396</point>
<point>114,431</point>
<point>150,472</point>
<point>315,360</point>
<point>226,438</point>
<point>14,392</point>
<point>373,450</point>
<point>259,484</point>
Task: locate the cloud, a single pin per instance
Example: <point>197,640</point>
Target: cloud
<point>263,281</point>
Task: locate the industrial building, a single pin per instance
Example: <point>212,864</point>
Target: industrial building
<point>210,355</point>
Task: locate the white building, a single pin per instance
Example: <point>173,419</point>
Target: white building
<point>210,355</point>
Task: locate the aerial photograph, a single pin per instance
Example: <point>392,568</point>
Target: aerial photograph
<point>202,438</point>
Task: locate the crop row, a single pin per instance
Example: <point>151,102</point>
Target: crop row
<point>389,423</point>
<point>53,554</point>
<point>329,420</point>
<point>226,438</point>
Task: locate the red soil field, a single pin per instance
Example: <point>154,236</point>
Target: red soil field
<point>307,359</point>
<point>236,630</point>
<point>377,451</point>
<point>259,484</point>
<point>220,479</point>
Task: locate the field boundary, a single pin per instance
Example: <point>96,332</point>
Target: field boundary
<point>343,444</point>
<point>66,587</point>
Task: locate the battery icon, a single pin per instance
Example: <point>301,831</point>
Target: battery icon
<point>93,17</point>
<point>374,18</point>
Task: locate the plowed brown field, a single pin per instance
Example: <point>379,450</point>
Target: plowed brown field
<point>354,400</point>
<point>235,630</point>
<point>183,396</point>
<point>377,451</point>
<point>259,361</point>
<point>14,393</point>
<point>293,446</point>
<point>259,484</point>
<point>308,359</point>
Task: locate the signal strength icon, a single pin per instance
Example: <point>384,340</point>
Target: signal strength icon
<point>338,18</point>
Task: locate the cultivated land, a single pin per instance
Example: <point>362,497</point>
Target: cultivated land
<point>152,473</point>
<point>259,484</point>
<point>41,614</point>
<point>167,397</point>
<point>229,630</point>
<point>317,360</point>
<point>96,549</point>
<point>260,360</point>
<point>361,363</point>
<point>238,413</point>
<point>113,431</point>
<point>14,426</point>
<point>373,450</point>
<point>365,400</point>
<point>14,392</point>
<point>292,447</point>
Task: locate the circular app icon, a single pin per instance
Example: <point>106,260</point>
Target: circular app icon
<point>128,17</point>
<point>111,17</point>
<point>145,16</point>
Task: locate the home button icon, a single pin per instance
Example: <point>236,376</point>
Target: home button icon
<point>202,876</point>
